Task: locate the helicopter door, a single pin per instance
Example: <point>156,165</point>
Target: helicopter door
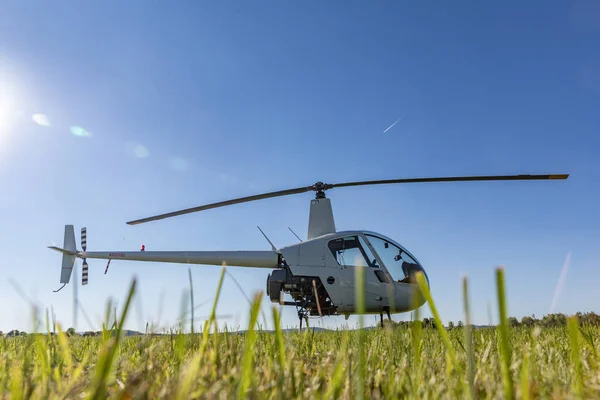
<point>351,252</point>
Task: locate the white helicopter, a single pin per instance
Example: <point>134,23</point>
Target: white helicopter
<point>318,273</point>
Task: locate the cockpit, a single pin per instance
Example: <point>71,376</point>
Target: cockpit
<point>397,260</point>
<point>371,249</point>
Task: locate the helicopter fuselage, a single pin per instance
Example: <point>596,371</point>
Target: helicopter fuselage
<point>320,274</point>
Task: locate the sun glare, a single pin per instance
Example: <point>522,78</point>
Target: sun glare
<point>8,107</point>
<point>7,112</point>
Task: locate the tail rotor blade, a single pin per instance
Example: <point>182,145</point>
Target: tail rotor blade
<point>84,239</point>
<point>84,273</point>
<point>84,266</point>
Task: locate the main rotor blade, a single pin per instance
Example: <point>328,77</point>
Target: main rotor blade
<point>455,179</point>
<point>222,204</point>
<point>320,186</point>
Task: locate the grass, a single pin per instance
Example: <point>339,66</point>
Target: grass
<point>402,362</point>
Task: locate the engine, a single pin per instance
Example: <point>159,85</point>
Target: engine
<point>308,292</point>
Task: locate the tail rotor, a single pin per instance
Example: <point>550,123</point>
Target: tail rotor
<point>84,270</point>
<point>70,254</point>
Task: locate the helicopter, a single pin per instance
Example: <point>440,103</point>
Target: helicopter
<point>319,273</point>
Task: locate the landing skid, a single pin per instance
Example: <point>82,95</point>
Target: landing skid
<point>303,316</point>
<point>388,315</point>
<point>303,312</point>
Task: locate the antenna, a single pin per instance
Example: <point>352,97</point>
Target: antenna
<point>271,243</point>
<point>294,234</point>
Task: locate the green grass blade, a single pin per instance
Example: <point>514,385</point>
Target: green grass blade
<point>574,336</point>
<point>279,338</point>
<point>504,336</point>
<point>191,301</point>
<point>280,349</point>
<point>246,373</point>
<point>360,304</point>
<point>525,383</point>
<point>469,340</point>
<point>416,335</point>
<point>213,311</point>
<point>438,321</point>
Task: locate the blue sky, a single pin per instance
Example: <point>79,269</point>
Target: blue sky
<point>189,103</point>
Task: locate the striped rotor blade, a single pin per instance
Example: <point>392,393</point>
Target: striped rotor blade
<point>84,273</point>
<point>84,239</point>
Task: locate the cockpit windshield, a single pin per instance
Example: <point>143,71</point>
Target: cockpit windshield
<point>398,262</point>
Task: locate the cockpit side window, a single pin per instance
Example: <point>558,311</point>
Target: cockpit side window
<point>348,251</point>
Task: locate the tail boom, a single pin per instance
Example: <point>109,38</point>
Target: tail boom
<point>240,258</point>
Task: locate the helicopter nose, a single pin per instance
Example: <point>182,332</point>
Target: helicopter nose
<point>409,297</point>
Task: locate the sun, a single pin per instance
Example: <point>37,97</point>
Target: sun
<point>7,112</point>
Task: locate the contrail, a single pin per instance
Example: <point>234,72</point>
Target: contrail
<point>560,283</point>
<point>392,125</point>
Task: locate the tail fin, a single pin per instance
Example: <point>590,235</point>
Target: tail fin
<point>69,256</point>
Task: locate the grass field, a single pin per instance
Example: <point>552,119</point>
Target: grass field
<point>410,361</point>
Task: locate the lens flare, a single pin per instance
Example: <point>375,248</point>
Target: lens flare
<point>141,151</point>
<point>79,131</point>
<point>137,150</point>
<point>41,119</point>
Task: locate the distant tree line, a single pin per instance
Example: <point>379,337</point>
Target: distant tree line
<point>547,321</point>
<point>69,332</point>
<point>553,320</point>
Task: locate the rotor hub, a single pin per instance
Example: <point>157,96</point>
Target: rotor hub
<point>320,188</point>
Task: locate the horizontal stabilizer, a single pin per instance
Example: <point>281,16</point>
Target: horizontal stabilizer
<point>64,251</point>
